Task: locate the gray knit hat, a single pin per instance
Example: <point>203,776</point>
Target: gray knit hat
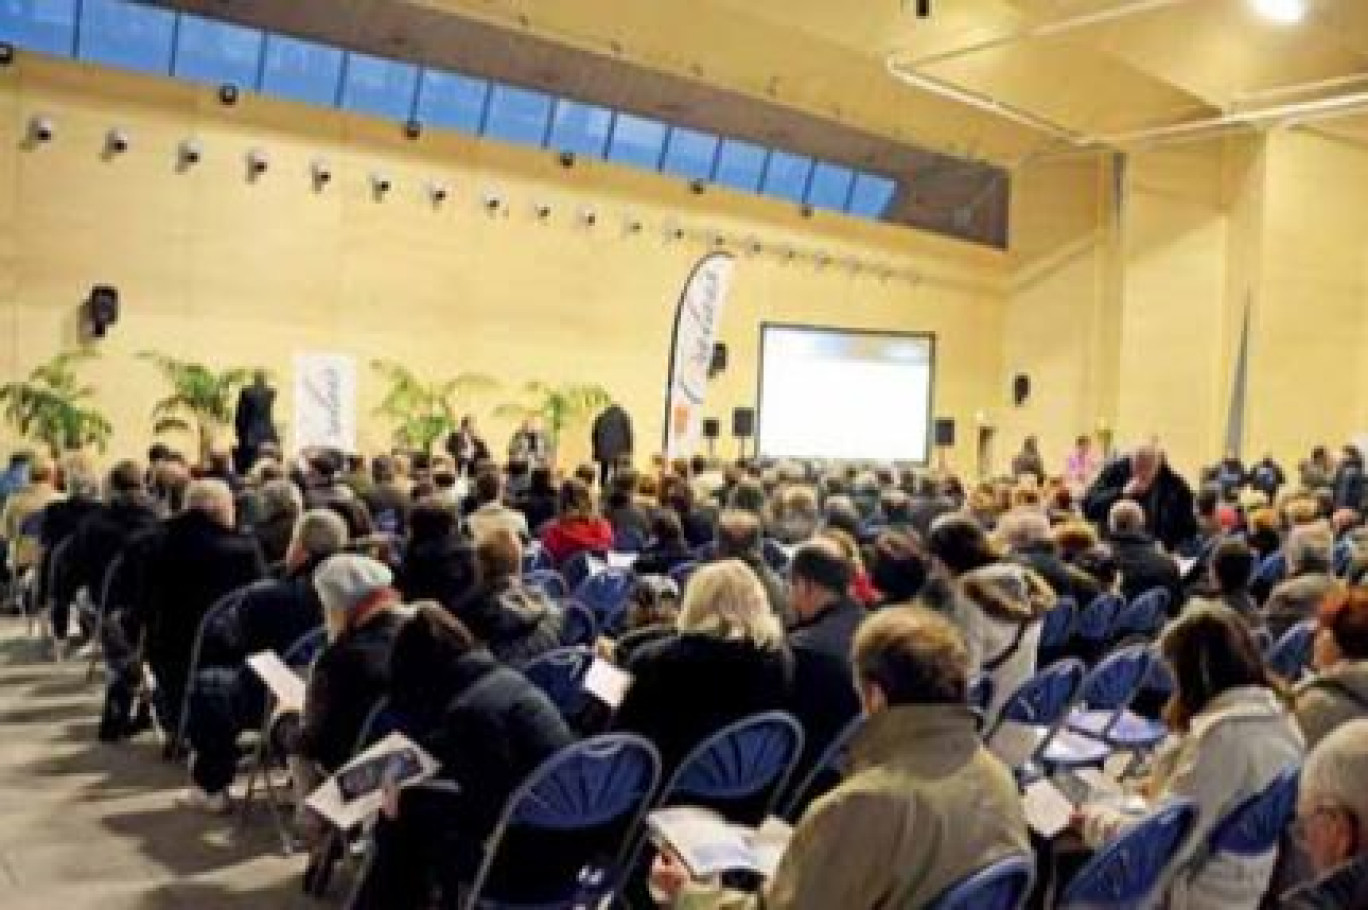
<point>347,580</point>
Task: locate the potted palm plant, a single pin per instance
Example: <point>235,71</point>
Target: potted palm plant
<point>51,406</point>
<point>201,399</point>
<point>424,412</point>
<point>559,406</point>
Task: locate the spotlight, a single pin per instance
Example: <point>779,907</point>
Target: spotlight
<point>588,216</point>
<point>542,210</point>
<point>321,172</point>
<point>228,94</point>
<point>6,53</point>
<point>567,159</point>
<point>258,163</point>
<point>1283,12</point>
<point>191,152</point>
<point>634,225</point>
<point>699,186</point>
<point>492,201</point>
<point>116,141</point>
<point>438,193</point>
<point>413,129</point>
<point>380,184</point>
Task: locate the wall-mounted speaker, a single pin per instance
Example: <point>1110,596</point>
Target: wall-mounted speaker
<point>1021,389</point>
<point>712,428</point>
<point>718,364</point>
<point>945,432</point>
<point>743,423</point>
<point>101,309</point>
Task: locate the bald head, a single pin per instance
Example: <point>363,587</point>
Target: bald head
<point>1126,517</point>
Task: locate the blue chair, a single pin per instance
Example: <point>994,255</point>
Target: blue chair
<point>776,557</point>
<point>1105,695</point>
<point>829,765</point>
<point>1004,885</point>
<point>560,674</point>
<point>536,557</point>
<point>547,581</point>
<point>1126,872</point>
<point>705,551</point>
<point>1256,826</point>
<point>750,760</point>
<point>591,797</point>
<point>1040,704</point>
<point>1269,572</point>
<point>606,595</point>
<point>1144,616</point>
<point>629,540</point>
<point>1291,655</point>
<point>1095,622</point>
<point>578,626</point>
<point>583,565</point>
<point>1058,625</point>
<point>219,609</point>
<point>680,573</point>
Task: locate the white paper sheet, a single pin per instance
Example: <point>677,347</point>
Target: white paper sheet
<point>607,683</point>
<point>283,682</point>
<point>709,845</point>
<point>1047,810</point>
<point>622,560</point>
<point>329,801</point>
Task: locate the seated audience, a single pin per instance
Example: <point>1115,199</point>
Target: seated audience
<point>1233,736</point>
<point>739,537</point>
<point>490,512</point>
<point>1145,478</point>
<point>226,697</point>
<point>488,728</point>
<point>1230,567</point>
<point>922,806</point>
<point>1332,819</point>
<point>839,511</point>
<point>897,567</point>
<point>388,498</point>
<point>1143,565</point>
<point>1309,580</point>
<point>1094,572</point>
<point>621,508</point>
<point>537,499</point>
<point>1028,463</point>
<point>577,529</point>
<point>794,517</point>
<point>438,563</point>
<point>1349,486</point>
<point>1338,692</point>
<point>1072,538</point>
<point>19,517</point>
<point>516,623</point>
<point>1026,532</point>
<point>698,521</point>
<point>666,547</point>
<point>280,505</point>
<point>747,496</point>
<point>1265,533</point>
<point>60,520</point>
<point>729,642</point>
<point>929,502</point>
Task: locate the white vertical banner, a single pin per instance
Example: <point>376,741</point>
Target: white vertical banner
<point>325,401</point>
<point>697,318</point>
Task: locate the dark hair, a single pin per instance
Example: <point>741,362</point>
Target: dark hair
<point>586,474</point>
<point>738,534</point>
<point>488,485</point>
<point>960,543</point>
<point>1098,562</point>
<point>126,478</point>
<point>822,564</point>
<point>157,452</point>
<point>914,656</point>
<point>621,490</point>
<point>356,516</point>
<point>426,647</point>
<point>896,506</point>
<point>1345,615</point>
<point>1210,650</point>
<point>1231,564</point>
<point>575,498</point>
<point>498,555</point>
<point>431,520</point>
<point>897,566</point>
<point>1208,500</point>
<point>539,481</point>
<point>383,469</point>
<point>666,527</point>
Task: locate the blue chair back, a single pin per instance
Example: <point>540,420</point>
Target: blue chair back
<point>606,594</point>
<point>830,763</point>
<point>1043,700</point>
<point>560,674</point>
<point>1160,680</point>
<point>1255,826</point>
<point>1145,615</point>
<point>547,581</point>
<point>776,557</point>
<point>389,521</point>
<point>1096,621</point>
<point>1126,872</point>
<point>578,626</point>
<point>1113,684</point>
<point>305,649</point>
<point>582,566</point>
<point>629,540</point>
<point>1291,654</point>
<point>1004,885</point>
<point>1059,623</point>
<point>1270,571</point>
<point>536,557</point>
<point>212,617</point>
<point>680,573</point>
<point>602,782</point>
<point>753,756</point>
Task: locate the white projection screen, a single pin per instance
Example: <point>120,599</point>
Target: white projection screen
<point>840,394</point>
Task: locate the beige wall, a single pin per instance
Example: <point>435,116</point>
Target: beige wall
<point>214,267</point>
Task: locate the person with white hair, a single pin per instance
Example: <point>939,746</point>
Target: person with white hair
<point>1308,550</point>
<point>1026,533</point>
<point>1145,478</point>
<point>1143,565</point>
<point>1332,821</point>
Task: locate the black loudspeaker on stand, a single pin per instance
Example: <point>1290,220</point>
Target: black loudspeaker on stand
<point>743,428</point>
<point>945,438</point>
<point>712,428</point>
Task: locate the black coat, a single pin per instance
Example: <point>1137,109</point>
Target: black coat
<point>690,686</point>
<point>824,697</point>
<point>515,622</point>
<point>273,535</point>
<point>1169,516</point>
<point>350,677</point>
<point>612,434</point>
<point>439,570</point>
<point>1267,476</point>
<point>252,420</point>
<point>271,617</point>
<point>1045,561</point>
<point>102,536</point>
<point>1143,567</point>
<point>1349,486</point>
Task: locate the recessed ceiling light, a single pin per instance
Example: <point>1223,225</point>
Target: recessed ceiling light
<point>1285,12</point>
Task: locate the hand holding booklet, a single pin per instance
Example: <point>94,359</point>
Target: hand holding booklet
<point>283,682</point>
<point>356,792</point>
<point>709,845</point>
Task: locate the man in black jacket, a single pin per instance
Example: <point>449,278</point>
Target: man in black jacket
<point>1145,478</point>
<point>253,421</point>
<point>612,437</point>
<point>226,697</point>
<point>1143,566</point>
<point>824,696</point>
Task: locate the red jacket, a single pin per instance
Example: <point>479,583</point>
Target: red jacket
<point>565,537</point>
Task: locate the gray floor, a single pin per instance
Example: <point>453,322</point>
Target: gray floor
<point>86,825</point>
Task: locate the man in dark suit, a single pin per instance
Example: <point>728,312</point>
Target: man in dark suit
<point>1145,478</point>
<point>612,437</point>
<point>253,421</point>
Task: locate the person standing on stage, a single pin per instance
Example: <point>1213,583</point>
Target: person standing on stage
<point>612,439</point>
<point>253,422</point>
<point>466,447</point>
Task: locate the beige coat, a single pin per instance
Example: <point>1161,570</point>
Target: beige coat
<point>924,805</point>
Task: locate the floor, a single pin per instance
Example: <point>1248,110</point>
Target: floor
<point>87,825</point>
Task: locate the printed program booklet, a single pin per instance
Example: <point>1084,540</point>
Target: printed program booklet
<point>709,845</point>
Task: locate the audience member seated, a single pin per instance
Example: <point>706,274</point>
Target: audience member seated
<point>929,502</point>
<point>826,618</point>
<point>490,512</point>
<point>1308,552</point>
<point>577,529</point>
<point>621,508</point>
<point>739,537</point>
<point>280,508</point>
<point>438,564</point>
<point>539,501</point>
<point>1144,477</point>
<point>729,661</point>
<point>515,622</point>
<point>1332,819</point>
<point>1265,533</point>
<point>226,697</point>
<point>196,560</point>
<point>1210,530</point>
<point>1072,538</point>
<point>699,522</point>
<point>1026,532</point>
<point>747,496</point>
<point>1349,486</point>
<point>1229,570</point>
<point>82,498</point>
<point>839,511</point>
<point>794,516</point>
<point>897,567</point>
<point>1234,735</point>
<point>1338,692</point>
<point>1143,565</point>
<point>666,547</point>
<point>923,804</point>
<point>321,480</point>
<point>20,508</point>
<point>388,498</point>
<point>488,727</point>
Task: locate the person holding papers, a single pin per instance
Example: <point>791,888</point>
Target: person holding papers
<point>488,727</point>
<point>923,803</point>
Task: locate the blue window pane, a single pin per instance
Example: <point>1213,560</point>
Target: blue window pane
<point>517,115</point>
<point>217,52</point>
<point>690,153</point>
<point>580,128</point>
<point>787,176</point>
<point>830,186</point>
<point>378,86</point>
<point>872,195</point>
<point>301,70</point>
<point>452,100</point>
<point>129,35</point>
<point>48,26</point>
<point>740,164</point>
<point>637,141</point>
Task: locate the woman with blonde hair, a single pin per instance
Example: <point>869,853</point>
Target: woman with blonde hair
<point>727,661</point>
